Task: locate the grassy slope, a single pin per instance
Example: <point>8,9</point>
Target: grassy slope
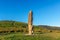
<point>19,36</point>
<point>12,24</point>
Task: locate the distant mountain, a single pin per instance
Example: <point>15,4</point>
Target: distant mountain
<point>49,27</point>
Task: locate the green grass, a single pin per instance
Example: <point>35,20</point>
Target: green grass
<point>20,36</point>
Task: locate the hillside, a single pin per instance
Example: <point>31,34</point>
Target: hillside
<point>7,26</point>
<point>15,26</point>
<point>7,23</point>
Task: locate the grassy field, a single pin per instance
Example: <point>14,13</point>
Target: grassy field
<point>13,30</point>
<point>19,36</point>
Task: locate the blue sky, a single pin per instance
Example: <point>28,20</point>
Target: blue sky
<point>45,12</point>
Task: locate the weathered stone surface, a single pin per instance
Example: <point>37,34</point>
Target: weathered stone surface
<point>30,23</point>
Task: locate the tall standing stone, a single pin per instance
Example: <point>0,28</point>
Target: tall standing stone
<point>30,23</point>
